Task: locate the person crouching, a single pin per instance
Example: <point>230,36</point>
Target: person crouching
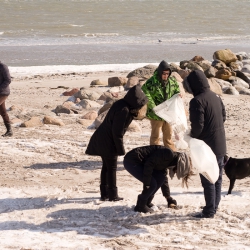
<point>149,164</point>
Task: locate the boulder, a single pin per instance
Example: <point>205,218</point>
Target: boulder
<point>244,55</point>
<point>183,64</point>
<point>52,121</point>
<point>222,83</point>
<point>223,74</point>
<point>247,61</point>
<point>116,81</point>
<point>219,64</point>
<point>32,122</point>
<point>242,90</point>
<point>92,115</point>
<point>242,76</point>
<point>231,91</point>
<point>105,107</point>
<point>86,123</point>
<point>116,89</point>
<point>69,105</point>
<point>19,109</point>
<point>177,76</point>
<point>98,83</point>
<point>134,127</point>
<point>144,72</point>
<point>239,57</point>
<point>16,122</point>
<point>197,59</point>
<point>61,109</point>
<point>214,86</point>
<point>234,80</point>
<point>246,68</point>
<point>174,67</point>
<point>184,73</point>
<point>87,94</point>
<point>98,121</point>
<point>225,55</point>
<point>132,81</point>
<point>235,66</point>
<point>204,64</point>
<point>210,72</point>
<point>193,66</point>
<point>71,92</point>
<point>88,104</point>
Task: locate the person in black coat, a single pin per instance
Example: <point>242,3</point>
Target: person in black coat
<point>5,80</point>
<point>107,140</point>
<point>207,117</point>
<point>149,164</point>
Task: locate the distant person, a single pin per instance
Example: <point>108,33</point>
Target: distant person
<point>107,140</point>
<point>149,165</point>
<point>207,117</point>
<point>159,88</point>
<point>5,80</point>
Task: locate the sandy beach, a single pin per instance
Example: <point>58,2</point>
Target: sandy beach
<point>49,194</point>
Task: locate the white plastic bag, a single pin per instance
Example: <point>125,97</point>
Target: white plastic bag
<point>204,160</point>
<point>173,112</point>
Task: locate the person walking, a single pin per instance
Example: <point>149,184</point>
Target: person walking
<point>107,140</point>
<point>159,88</point>
<point>207,117</point>
<point>5,80</point>
<point>149,165</point>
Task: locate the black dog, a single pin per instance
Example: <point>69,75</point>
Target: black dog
<point>236,169</point>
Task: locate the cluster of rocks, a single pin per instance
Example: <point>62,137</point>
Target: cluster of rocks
<point>228,73</point>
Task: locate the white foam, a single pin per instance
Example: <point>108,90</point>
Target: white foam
<point>63,69</point>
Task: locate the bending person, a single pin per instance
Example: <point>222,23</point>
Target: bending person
<point>107,140</point>
<point>149,164</point>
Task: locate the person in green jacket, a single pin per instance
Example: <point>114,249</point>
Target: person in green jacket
<point>159,88</point>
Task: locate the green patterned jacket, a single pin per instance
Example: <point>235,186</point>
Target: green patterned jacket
<point>157,93</point>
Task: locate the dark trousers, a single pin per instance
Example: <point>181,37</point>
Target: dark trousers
<point>212,192</point>
<point>3,111</point>
<point>157,179</point>
<point>108,172</point>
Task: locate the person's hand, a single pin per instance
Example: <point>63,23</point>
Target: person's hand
<point>172,203</point>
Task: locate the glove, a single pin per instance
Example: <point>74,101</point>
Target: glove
<point>172,203</point>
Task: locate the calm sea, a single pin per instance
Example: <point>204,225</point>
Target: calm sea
<point>91,32</point>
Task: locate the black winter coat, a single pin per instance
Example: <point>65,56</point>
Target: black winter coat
<point>5,80</point>
<point>153,157</point>
<point>107,140</point>
<point>207,114</point>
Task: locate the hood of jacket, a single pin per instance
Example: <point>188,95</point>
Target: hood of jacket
<point>163,66</point>
<point>136,97</point>
<point>197,82</point>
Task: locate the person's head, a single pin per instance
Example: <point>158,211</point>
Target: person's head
<point>182,167</point>
<point>196,82</point>
<point>164,70</point>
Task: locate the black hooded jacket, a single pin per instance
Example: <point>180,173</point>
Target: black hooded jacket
<point>5,80</point>
<point>207,114</point>
<point>107,140</point>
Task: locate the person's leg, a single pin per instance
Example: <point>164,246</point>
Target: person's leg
<point>111,163</point>
<point>167,136</point>
<point>209,193</point>
<point>156,127</point>
<point>104,180</point>
<point>218,183</point>
<point>5,116</point>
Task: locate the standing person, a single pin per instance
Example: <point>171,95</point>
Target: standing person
<point>149,165</point>
<point>5,80</point>
<point>107,141</point>
<point>159,88</point>
<point>207,117</point>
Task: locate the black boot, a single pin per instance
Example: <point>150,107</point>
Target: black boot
<point>104,192</point>
<point>113,196</point>
<point>9,130</point>
<point>141,206</point>
<point>149,204</point>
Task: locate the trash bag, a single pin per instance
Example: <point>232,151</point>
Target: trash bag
<point>173,112</point>
<point>204,160</point>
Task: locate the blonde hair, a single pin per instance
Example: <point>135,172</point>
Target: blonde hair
<point>186,178</point>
